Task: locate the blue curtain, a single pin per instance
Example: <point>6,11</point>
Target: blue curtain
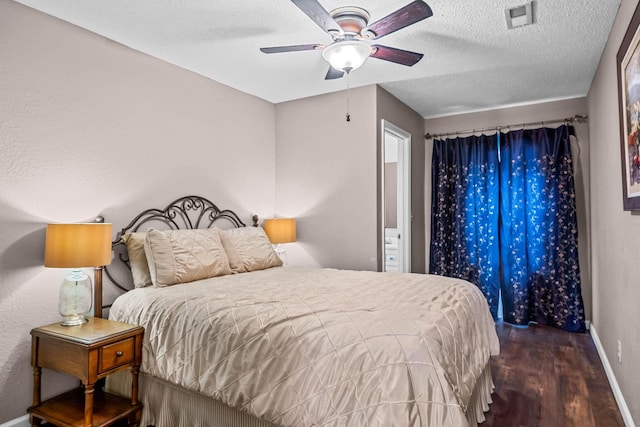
<point>465,204</point>
<point>503,217</point>
<point>538,230</point>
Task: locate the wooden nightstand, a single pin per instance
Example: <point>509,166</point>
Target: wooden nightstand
<point>90,352</point>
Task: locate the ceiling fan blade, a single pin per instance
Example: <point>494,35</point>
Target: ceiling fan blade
<point>294,48</point>
<point>403,17</point>
<point>332,73</point>
<point>319,14</point>
<point>399,56</point>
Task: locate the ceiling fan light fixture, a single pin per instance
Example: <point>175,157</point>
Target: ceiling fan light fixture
<point>347,55</point>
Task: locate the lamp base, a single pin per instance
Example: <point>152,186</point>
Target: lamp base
<point>74,321</point>
<point>75,301</point>
<point>282,254</point>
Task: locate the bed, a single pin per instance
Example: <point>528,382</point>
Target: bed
<point>233,338</point>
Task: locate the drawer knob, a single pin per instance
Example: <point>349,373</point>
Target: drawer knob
<point>119,354</point>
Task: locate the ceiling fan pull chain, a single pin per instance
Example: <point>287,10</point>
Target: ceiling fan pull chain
<point>348,92</point>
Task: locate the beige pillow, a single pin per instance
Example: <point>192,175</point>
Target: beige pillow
<point>179,256</point>
<point>137,259</point>
<point>249,249</point>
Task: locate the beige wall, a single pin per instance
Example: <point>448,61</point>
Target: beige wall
<point>535,113</point>
<point>390,194</point>
<point>91,127</point>
<point>615,233</point>
<point>326,178</point>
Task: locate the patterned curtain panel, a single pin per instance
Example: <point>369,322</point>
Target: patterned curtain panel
<point>464,213</point>
<point>538,230</point>
<point>503,217</point>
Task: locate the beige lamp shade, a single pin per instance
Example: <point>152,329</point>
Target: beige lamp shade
<point>77,245</point>
<point>280,230</point>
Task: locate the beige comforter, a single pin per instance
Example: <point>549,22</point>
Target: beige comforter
<point>320,347</point>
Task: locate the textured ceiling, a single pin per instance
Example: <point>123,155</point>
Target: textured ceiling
<point>472,61</point>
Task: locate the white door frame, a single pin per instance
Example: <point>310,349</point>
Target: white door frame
<point>404,193</point>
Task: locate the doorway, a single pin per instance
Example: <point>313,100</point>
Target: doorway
<point>396,212</point>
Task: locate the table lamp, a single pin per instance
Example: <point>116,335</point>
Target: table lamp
<point>279,231</point>
<point>77,246</point>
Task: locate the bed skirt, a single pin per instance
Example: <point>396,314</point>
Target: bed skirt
<point>481,397</point>
<point>167,405</point>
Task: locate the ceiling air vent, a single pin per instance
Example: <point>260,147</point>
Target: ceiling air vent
<point>519,16</point>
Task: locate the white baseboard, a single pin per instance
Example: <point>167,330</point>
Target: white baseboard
<point>617,393</point>
<point>18,422</point>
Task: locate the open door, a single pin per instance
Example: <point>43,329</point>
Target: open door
<point>396,216</point>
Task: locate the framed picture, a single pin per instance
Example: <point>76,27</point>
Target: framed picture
<point>628,62</point>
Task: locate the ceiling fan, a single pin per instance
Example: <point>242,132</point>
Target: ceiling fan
<point>350,29</point>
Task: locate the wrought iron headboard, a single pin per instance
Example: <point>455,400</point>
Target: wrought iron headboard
<point>185,213</point>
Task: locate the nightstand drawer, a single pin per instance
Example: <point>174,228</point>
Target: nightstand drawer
<point>116,354</point>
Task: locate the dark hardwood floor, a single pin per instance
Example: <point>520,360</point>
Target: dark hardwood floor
<point>545,377</point>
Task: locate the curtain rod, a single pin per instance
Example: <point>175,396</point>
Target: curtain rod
<point>575,119</point>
